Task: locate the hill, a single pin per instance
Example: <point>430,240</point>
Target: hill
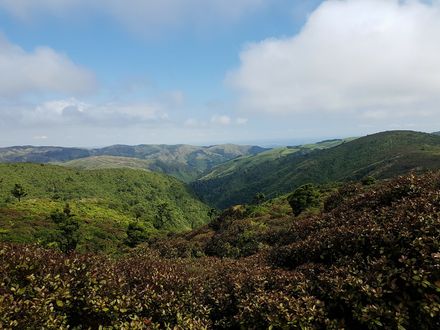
<point>106,162</point>
<point>184,162</point>
<point>31,154</point>
<point>105,201</point>
<point>381,155</point>
<point>245,163</point>
<point>369,261</point>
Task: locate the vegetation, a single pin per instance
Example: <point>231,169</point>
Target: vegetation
<point>18,192</point>
<point>113,249</point>
<point>246,163</point>
<point>303,198</point>
<point>104,202</point>
<point>68,227</point>
<point>370,261</point>
<point>382,155</point>
<point>181,161</point>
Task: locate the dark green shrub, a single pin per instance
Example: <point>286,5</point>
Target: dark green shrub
<point>303,198</point>
<point>136,234</point>
<point>18,192</point>
<point>68,228</point>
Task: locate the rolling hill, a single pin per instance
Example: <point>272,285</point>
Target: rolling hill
<point>381,155</point>
<point>246,162</point>
<point>106,162</point>
<point>105,201</point>
<point>184,162</point>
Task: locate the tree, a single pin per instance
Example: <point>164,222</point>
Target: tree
<point>135,234</point>
<point>138,211</point>
<point>163,215</point>
<point>303,198</point>
<point>368,181</point>
<point>68,227</point>
<point>18,192</point>
<point>259,198</point>
<point>212,213</point>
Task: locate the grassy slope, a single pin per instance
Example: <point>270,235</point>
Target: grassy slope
<point>381,155</point>
<point>104,200</point>
<point>107,162</point>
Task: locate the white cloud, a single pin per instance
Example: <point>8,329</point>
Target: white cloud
<point>73,112</point>
<point>351,56</point>
<point>221,120</point>
<point>40,137</point>
<point>215,121</point>
<point>241,121</point>
<point>40,71</point>
<point>192,122</point>
<point>138,13</point>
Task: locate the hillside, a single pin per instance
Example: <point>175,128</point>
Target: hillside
<point>105,201</point>
<point>184,162</point>
<point>107,162</point>
<point>381,155</point>
<point>31,154</point>
<point>247,162</point>
<point>369,261</point>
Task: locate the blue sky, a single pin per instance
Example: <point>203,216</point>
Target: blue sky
<point>93,73</point>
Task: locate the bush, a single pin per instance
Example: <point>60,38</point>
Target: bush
<point>303,198</point>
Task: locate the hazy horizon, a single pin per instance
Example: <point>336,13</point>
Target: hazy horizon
<point>260,143</point>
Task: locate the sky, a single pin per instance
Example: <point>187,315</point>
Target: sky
<point>92,73</point>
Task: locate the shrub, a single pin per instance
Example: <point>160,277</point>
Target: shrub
<point>303,198</point>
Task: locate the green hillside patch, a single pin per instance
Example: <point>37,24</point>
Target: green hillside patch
<point>104,201</point>
<point>381,155</point>
<point>106,162</point>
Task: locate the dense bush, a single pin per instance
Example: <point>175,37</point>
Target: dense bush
<point>370,261</point>
<point>303,198</point>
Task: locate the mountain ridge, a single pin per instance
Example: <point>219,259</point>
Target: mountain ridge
<point>185,162</point>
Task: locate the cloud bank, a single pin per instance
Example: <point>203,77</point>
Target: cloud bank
<point>378,58</point>
<point>41,71</point>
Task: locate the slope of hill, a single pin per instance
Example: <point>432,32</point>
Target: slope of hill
<point>107,162</point>
<point>246,162</point>
<point>106,201</point>
<point>184,162</point>
<point>381,155</point>
<point>31,154</point>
